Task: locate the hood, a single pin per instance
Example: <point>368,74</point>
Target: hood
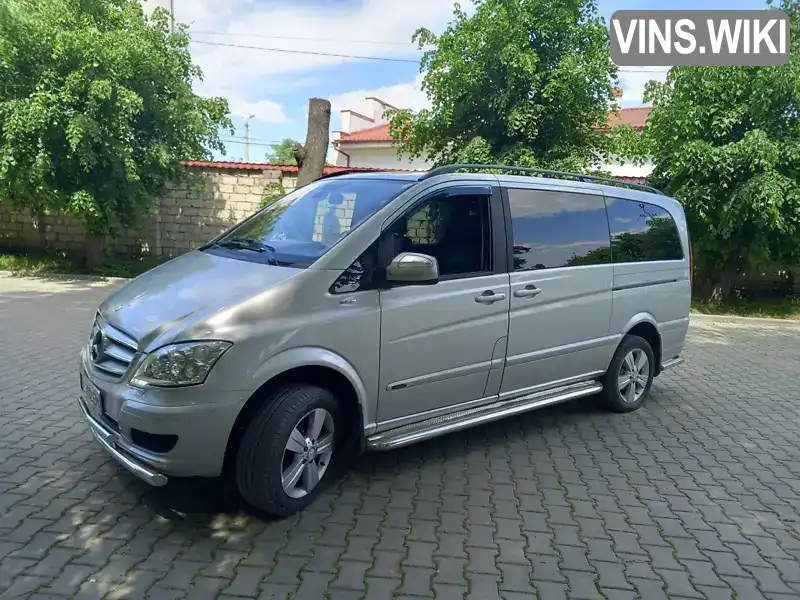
<point>194,283</point>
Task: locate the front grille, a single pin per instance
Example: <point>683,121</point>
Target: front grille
<point>110,350</point>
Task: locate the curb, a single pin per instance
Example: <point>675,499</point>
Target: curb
<point>738,319</point>
<point>66,277</point>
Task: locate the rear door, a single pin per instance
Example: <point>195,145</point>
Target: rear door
<point>444,344</point>
<point>651,270</point>
<point>561,287</point>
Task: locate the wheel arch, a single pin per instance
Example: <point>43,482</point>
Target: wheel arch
<point>315,366</point>
<point>645,326</point>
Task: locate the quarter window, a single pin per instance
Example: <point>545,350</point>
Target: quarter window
<point>642,232</point>
<point>558,229</point>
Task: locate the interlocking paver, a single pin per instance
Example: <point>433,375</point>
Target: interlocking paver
<point>697,495</point>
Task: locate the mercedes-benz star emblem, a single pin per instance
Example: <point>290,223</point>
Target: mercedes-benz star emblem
<point>97,349</point>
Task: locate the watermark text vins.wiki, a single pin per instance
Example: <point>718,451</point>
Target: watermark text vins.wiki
<point>699,37</point>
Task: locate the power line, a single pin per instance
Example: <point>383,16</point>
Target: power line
<point>252,139</point>
<point>240,141</point>
<point>381,58</point>
<point>308,39</point>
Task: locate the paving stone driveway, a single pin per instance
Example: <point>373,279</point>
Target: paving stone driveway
<point>695,496</point>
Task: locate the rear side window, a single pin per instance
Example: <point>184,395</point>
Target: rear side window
<point>642,232</point>
<point>558,229</point>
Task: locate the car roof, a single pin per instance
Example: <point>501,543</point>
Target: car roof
<point>610,190</point>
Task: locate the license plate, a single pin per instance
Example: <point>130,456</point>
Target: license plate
<point>91,395</point>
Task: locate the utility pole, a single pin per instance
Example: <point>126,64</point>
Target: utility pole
<point>247,138</point>
<point>172,16</point>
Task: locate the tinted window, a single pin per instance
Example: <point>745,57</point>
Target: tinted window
<point>455,230</point>
<point>299,228</point>
<point>642,232</point>
<point>558,229</point>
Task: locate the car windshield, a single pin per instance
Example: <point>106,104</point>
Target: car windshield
<point>302,226</point>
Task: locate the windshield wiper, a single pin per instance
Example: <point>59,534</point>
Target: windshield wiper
<point>243,244</point>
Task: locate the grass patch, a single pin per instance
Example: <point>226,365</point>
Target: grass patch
<point>38,265</point>
<point>786,308</point>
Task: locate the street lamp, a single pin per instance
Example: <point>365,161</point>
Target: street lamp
<point>247,138</point>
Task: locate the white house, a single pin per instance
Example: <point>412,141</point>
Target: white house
<point>364,140</point>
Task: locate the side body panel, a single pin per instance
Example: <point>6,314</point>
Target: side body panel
<point>443,344</point>
<point>657,291</point>
<point>560,334</point>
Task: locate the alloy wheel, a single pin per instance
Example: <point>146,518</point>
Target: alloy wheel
<point>308,453</point>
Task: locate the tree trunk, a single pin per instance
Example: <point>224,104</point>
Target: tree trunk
<point>311,156</point>
<point>95,251</point>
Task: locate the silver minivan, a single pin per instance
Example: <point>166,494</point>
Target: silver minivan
<point>371,311</point>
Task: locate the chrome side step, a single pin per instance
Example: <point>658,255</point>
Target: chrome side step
<point>672,362</point>
<point>424,430</point>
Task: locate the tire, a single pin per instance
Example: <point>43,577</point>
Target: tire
<point>630,397</point>
<point>279,446</point>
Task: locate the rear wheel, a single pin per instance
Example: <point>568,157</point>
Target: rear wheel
<point>287,451</point>
<point>627,383</point>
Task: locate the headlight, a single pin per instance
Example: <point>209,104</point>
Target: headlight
<point>179,364</point>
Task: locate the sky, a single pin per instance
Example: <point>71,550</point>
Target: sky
<point>275,86</point>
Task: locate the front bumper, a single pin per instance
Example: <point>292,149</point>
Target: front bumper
<point>199,417</point>
<point>108,440</point>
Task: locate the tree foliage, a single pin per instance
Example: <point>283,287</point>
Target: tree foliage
<point>626,145</point>
<point>283,153</point>
<point>273,191</point>
<point>97,108</point>
<point>728,147</point>
<point>521,81</point>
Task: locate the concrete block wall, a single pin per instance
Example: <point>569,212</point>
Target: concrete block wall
<point>185,218</point>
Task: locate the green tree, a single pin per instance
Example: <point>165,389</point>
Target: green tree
<point>521,82</point>
<point>626,145</point>
<point>273,191</point>
<point>728,147</point>
<point>97,110</point>
<point>283,153</point>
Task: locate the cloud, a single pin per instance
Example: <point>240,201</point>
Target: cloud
<point>401,95</point>
<point>265,111</point>
<point>241,74</point>
<point>633,80</point>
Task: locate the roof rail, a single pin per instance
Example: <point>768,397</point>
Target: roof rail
<point>337,173</point>
<point>445,169</point>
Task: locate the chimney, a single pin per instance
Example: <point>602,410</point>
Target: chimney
<point>616,101</point>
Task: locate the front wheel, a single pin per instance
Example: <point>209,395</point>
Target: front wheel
<point>287,450</point>
<point>629,378</point>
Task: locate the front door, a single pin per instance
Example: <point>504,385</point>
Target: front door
<point>561,288</point>
<point>444,344</point>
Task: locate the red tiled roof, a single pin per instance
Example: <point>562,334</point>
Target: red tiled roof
<point>380,133</point>
<point>635,117</point>
<point>222,164</point>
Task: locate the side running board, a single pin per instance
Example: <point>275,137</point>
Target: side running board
<point>424,430</point>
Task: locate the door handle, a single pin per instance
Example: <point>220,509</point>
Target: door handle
<point>529,291</point>
<point>489,297</point>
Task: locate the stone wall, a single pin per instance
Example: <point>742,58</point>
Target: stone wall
<point>183,219</point>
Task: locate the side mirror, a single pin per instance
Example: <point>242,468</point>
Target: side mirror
<point>410,267</point>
